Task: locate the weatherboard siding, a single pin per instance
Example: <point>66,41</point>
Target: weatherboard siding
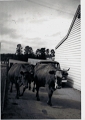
<point>68,54</point>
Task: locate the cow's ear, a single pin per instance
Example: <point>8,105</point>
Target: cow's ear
<point>21,72</point>
<point>52,72</point>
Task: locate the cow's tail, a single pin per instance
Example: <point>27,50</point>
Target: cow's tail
<point>8,81</point>
<point>33,87</point>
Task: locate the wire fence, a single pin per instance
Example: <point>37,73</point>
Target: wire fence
<point>4,85</point>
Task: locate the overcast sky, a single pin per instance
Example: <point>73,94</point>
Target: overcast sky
<point>35,23</point>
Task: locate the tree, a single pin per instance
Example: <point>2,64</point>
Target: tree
<point>19,49</point>
<point>42,50</point>
<point>47,52</point>
<point>52,53</point>
<point>28,50</point>
<point>43,53</point>
<point>38,52</point>
<point>28,53</point>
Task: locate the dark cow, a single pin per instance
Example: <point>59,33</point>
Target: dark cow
<point>20,74</point>
<point>47,75</point>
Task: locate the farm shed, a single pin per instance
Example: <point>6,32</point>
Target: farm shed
<point>68,51</point>
<point>34,61</point>
<point>12,61</point>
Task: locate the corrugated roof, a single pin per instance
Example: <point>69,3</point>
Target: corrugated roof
<point>77,14</point>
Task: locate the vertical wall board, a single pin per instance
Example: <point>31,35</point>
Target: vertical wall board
<point>68,54</point>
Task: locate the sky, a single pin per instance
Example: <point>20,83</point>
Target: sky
<point>35,23</point>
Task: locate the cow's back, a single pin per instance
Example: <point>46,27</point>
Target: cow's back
<point>41,72</point>
<point>43,68</point>
<point>14,72</point>
<point>14,69</point>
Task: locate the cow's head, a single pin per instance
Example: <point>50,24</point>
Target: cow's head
<point>25,77</point>
<point>28,73</point>
<point>57,78</point>
<point>31,72</point>
<point>24,74</point>
<point>65,72</point>
<point>19,80</point>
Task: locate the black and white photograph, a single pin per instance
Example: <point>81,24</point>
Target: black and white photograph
<point>40,59</point>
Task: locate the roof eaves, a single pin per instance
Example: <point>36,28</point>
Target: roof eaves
<point>74,18</point>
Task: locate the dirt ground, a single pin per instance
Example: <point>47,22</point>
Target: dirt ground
<point>27,107</point>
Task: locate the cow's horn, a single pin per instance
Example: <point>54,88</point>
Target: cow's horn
<point>68,69</point>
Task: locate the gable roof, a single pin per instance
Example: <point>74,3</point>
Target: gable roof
<point>77,14</point>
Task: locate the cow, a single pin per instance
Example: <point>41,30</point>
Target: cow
<point>20,74</point>
<point>47,75</point>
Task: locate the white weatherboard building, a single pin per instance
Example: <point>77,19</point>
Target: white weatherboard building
<point>68,52</point>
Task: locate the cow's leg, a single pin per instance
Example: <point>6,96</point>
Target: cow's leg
<point>33,87</point>
<point>11,86</point>
<point>25,87</point>
<point>23,90</point>
<point>37,93</point>
<point>18,90</point>
<point>50,93</point>
<point>29,86</point>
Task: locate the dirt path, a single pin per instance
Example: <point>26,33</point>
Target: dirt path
<point>28,108</point>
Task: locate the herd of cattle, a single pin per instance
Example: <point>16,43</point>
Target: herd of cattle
<point>42,75</point>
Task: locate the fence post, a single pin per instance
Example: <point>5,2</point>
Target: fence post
<point>4,88</point>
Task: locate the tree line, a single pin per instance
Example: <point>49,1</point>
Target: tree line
<point>23,55</point>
